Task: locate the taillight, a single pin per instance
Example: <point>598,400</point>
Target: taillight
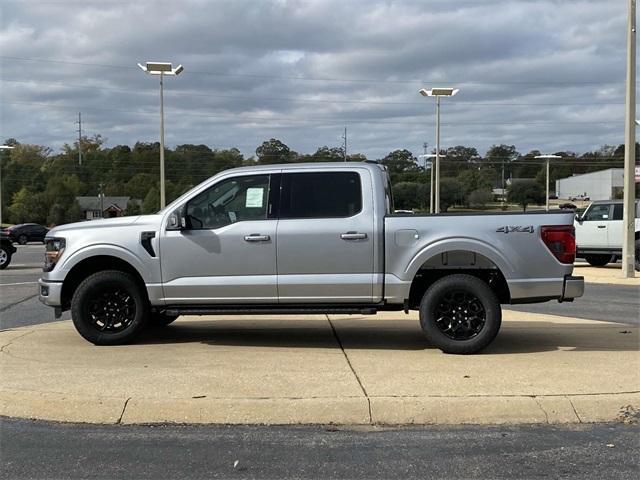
<point>561,241</point>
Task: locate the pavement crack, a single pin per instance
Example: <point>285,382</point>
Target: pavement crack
<point>7,307</point>
<point>13,340</point>
<point>574,410</point>
<point>364,390</point>
<point>546,415</point>
<point>124,407</point>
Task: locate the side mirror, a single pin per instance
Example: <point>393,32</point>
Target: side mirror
<point>177,220</point>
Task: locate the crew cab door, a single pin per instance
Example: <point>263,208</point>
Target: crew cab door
<point>227,252</point>
<point>591,231</point>
<point>326,237</point>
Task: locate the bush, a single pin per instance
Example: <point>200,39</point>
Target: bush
<point>480,198</point>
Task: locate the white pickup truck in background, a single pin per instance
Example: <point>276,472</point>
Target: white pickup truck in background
<point>599,232</point>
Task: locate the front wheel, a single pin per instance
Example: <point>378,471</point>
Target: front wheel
<point>460,314</point>
<point>109,308</point>
<point>5,258</point>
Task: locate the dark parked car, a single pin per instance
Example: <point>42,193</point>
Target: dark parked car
<point>6,250</point>
<point>27,232</point>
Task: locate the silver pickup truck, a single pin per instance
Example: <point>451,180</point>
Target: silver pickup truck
<point>306,238</point>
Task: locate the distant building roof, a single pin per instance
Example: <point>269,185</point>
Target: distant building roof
<point>93,203</point>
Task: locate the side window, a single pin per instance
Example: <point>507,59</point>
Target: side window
<point>598,213</point>
<point>229,201</point>
<point>617,211</point>
<point>321,195</point>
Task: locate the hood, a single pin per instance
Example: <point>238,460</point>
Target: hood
<point>153,220</point>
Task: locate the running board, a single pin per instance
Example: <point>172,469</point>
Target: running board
<point>268,310</point>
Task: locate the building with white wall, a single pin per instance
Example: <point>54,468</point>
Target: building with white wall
<point>600,185</point>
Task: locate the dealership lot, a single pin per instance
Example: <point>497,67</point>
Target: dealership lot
<point>545,367</point>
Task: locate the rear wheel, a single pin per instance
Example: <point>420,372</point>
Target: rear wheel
<point>109,308</point>
<point>460,314</point>
<point>23,239</point>
<point>637,255</point>
<point>598,260</point>
<point>5,258</point>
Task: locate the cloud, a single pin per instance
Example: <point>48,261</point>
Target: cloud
<point>539,74</point>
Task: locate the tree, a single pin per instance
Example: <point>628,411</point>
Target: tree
<point>480,198</point>
<point>273,151</point>
<point>400,161</point>
<point>326,154</point>
<point>525,192</point>
<point>450,193</point>
<point>151,202</point>
<point>28,206</point>
<point>410,195</point>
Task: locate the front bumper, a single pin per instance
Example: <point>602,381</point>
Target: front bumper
<point>50,293</point>
<point>573,287</point>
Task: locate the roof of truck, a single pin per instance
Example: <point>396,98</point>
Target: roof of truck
<point>370,164</point>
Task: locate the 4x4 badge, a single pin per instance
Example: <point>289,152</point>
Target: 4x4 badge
<point>516,228</point>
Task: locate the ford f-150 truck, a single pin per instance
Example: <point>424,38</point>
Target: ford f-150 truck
<point>306,238</point>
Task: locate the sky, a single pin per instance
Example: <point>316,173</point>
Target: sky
<point>536,74</point>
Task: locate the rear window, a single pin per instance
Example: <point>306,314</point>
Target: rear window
<point>321,195</point>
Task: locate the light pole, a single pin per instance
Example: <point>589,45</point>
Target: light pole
<point>2,147</point>
<point>427,156</point>
<point>547,158</point>
<point>162,69</point>
<point>438,92</point>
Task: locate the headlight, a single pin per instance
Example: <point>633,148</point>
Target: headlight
<point>53,249</point>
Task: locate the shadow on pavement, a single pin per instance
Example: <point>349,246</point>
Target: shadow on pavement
<point>514,338</point>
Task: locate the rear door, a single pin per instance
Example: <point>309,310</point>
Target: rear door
<point>325,235</point>
<point>614,229</point>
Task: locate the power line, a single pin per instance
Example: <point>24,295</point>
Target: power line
<point>146,92</point>
<point>323,120</point>
<point>319,79</point>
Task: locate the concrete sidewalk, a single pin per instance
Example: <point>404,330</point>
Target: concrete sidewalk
<point>320,370</point>
<point>611,273</point>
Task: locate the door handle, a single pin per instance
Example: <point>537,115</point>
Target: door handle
<point>353,236</point>
<point>602,226</point>
<point>256,237</point>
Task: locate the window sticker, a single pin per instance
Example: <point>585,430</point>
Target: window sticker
<point>254,197</point>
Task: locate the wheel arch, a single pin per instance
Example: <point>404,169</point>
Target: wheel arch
<point>94,264</point>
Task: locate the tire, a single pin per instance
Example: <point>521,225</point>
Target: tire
<point>23,239</point>
<point>598,260</point>
<point>637,250</point>
<point>5,258</point>
<point>458,294</point>
<point>161,319</point>
<point>109,308</point>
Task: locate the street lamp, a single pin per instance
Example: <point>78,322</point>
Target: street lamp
<point>2,147</point>
<point>547,158</point>
<point>438,92</point>
<point>427,156</point>
<point>162,69</point>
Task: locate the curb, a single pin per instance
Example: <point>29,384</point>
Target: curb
<point>480,410</point>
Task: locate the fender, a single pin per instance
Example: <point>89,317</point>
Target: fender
<point>459,243</point>
<point>148,270</point>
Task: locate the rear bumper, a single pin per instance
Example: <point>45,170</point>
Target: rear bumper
<point>573,287</point>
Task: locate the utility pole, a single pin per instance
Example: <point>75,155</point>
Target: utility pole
<point>628,212</point>
<point>101,201</point>
<point>79,122</point>
<point>344,150</point>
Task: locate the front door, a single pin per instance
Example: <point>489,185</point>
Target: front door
<point>591,232</point>
<point>326,237</point>
<point>227,253</point>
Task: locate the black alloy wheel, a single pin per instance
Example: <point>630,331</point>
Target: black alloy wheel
<point>110,308</point>
<point>460,314</point>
